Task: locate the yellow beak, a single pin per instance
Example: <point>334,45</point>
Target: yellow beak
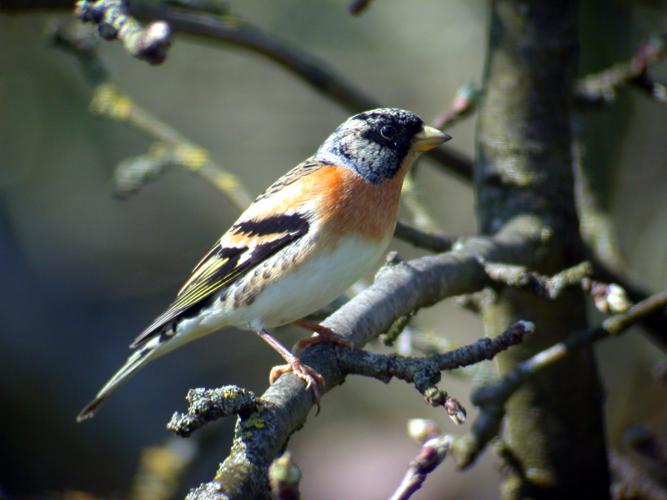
<point>429,138</point>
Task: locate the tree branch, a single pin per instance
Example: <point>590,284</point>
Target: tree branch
<point>312,70</point>
<point>423,239</point>
<point>397,290</point>
<point>207,405</point>
<point>632,482</point>
<point>464,103</point>
<point>171,147</point>
<point>647,445</point>
<point>357,7</point>
<point>425,373</point>
<point>432,453</point>
<point>601,88</point>
<point>543,286</point>
<point>113,22</point>
<point>656,322</point>
<point>491,399</point>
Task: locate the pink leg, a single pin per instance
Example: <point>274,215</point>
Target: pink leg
<point>294,365</point>
<point>324,334</point>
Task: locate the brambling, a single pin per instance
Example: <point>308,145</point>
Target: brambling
<point>298,246</point>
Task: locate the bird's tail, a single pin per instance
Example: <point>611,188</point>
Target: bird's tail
<point>138,359</point>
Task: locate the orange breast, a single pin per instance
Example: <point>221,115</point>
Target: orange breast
<point>351,205</point>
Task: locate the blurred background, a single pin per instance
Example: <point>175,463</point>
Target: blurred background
<point>83,272</point>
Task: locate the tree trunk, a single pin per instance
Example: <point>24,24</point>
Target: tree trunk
<point>523,174</point>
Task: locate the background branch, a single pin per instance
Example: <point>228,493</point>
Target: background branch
<point>357,7</point>
<point>432,453</point>
<point>423,239</point>
<point>491,399</point>
<point>632,482</point>
<point>113,21</point>
<point>601,88</point>
<point>172,146</point>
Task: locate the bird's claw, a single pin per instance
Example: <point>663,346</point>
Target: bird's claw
<point>311,377</point>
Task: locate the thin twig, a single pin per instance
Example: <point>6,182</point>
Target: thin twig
<point>357,7</point>
<point>602,87</point>
<point>491,398</point>
<point>309,68</point>
<point>464,103</point>
<point>632,482</point>
<point>543,286</point>
<point>421,217</point>
<point>432,453</point>
<point>607,297</point>
<point>424,372</point>
<point>423,239</point>
<point>647,445</point>
<point>172,147</point>
<point>656,323</point>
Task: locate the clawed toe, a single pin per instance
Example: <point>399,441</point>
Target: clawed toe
<point>311,377</point>
<point>294,365</point>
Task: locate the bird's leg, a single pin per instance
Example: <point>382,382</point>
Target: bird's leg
<point>324,334</point>
<point>294,365</point>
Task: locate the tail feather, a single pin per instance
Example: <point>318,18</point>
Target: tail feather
<point>134,362</point>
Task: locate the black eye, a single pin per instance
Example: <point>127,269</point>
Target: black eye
<point>388,132</point>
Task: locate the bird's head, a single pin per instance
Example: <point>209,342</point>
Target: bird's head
<point>375,143</point>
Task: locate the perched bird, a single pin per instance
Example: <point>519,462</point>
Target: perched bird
<point>299,245</point>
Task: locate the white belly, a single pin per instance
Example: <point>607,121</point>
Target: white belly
<point>315,284</point>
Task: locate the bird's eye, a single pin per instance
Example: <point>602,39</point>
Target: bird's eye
<point>388,132</point>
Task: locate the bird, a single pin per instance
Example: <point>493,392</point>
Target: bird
<point>298,246</point>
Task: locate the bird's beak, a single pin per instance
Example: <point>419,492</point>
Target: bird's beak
<point>429,138</point>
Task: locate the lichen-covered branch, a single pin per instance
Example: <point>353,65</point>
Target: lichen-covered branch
<point>397,290</point>
<point>491,399</point>
<point>149,43</point>
<point>207,405</point>
<point>425,373</point>
<point>544,286</point>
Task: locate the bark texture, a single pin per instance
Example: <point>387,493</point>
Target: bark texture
<point>524,174</point>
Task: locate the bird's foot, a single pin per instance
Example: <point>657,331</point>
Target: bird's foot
<point>322,334</point>
<point>304,372</point>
